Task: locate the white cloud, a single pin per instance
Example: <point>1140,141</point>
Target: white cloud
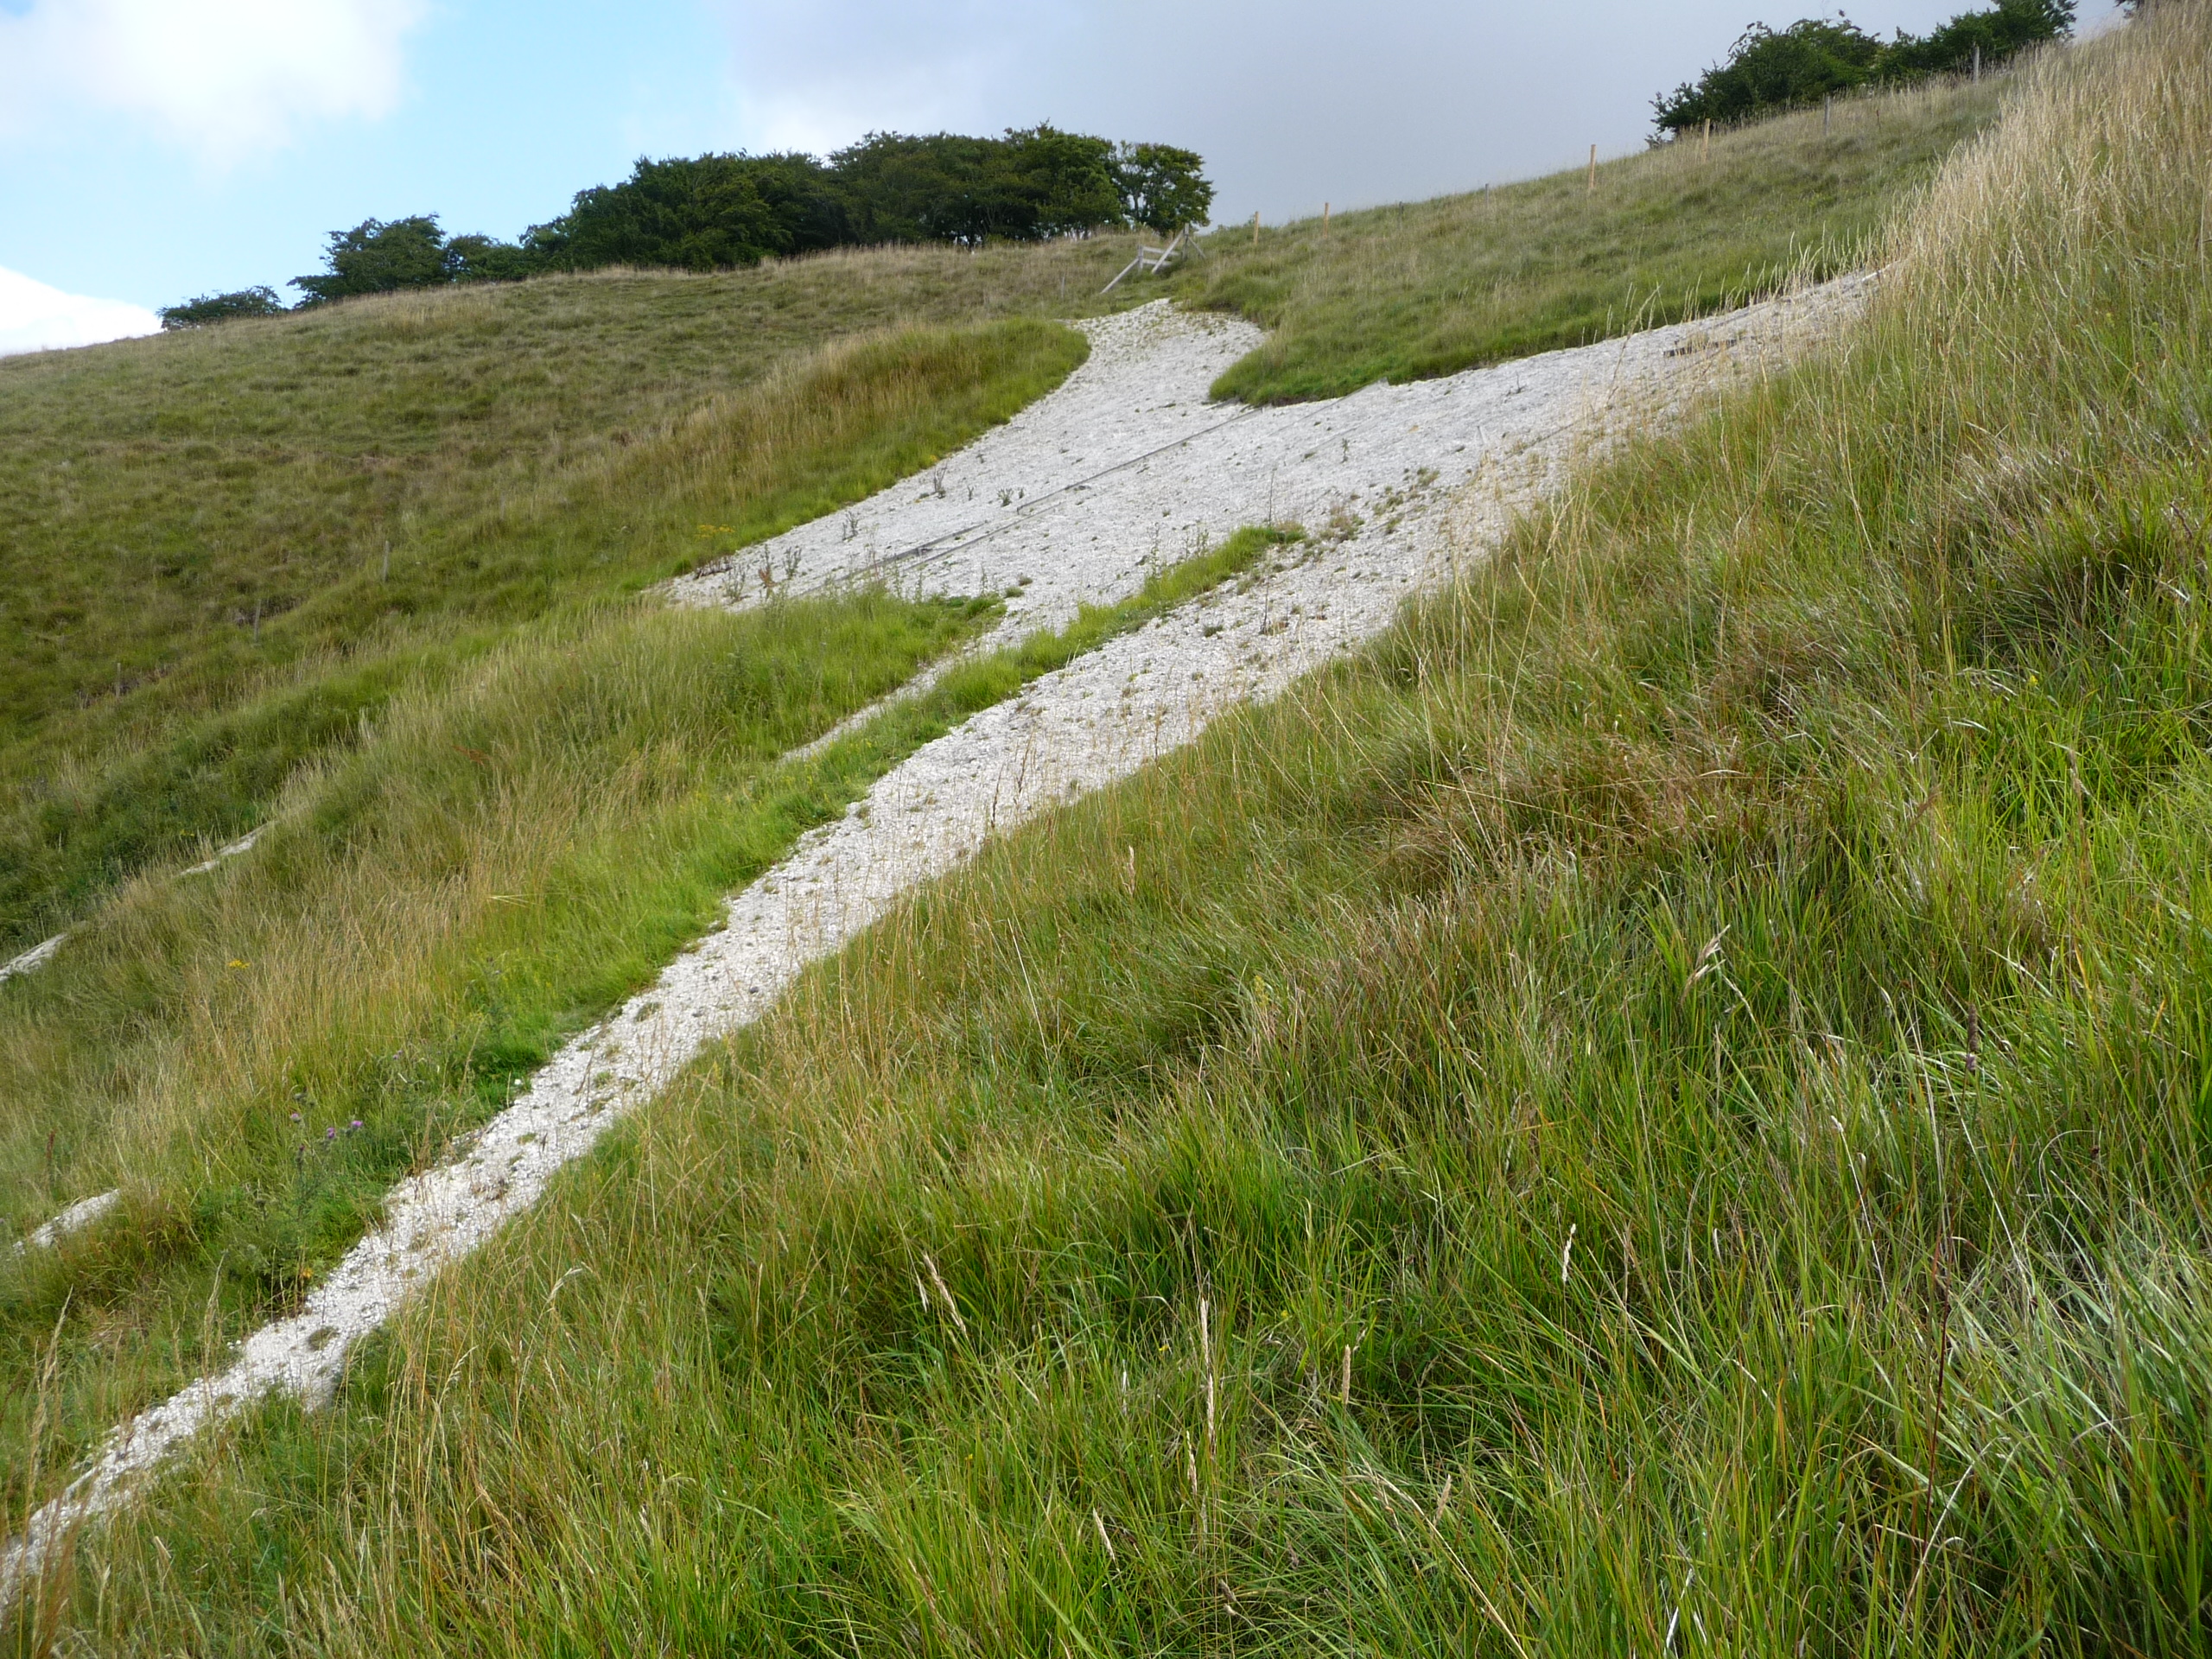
<point>34,317</point>
<point>225,77</point>
<point>815,76</point>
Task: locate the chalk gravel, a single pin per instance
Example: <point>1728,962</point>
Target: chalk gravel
<point>1124,468</point>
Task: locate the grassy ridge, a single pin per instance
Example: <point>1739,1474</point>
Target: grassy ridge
<point>1665,1106</point>
<point>196,576</point>
<point>1409,292</point>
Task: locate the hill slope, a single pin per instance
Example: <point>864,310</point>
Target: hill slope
<point>222,550</point>
<point>1666,1100</point>
<point>1423,288</point>
<point>225,548</point>
<point>550,787</point>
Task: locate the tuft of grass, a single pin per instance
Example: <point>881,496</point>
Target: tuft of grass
<point>1425,289</point>
<point>1663,1109</point>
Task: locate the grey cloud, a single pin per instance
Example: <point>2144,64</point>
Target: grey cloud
<point>1293,104</point>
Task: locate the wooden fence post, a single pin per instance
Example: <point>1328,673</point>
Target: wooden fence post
<point>1593,170</point>
<point>1706,153</point>
<point>1255,228</point>
<point>1324,219</point>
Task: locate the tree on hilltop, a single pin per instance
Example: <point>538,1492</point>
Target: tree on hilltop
<point>207,309</point>
<point>1162,185</point>
<point>718,211</point>
<point>705,212</point>
<point>2004,29</point>
<point>1770,70</point>
<point>1026,185</point>
<point>487,259</point>
<point>379,256</point>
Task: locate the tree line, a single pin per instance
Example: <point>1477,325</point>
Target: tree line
<point>1770,70</point>
<point>715,211</point>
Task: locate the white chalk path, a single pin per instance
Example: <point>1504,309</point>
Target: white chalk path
<point>1126,467</point>
<point>39,955</point>
<point>77,1217</point>
<point>34,958</point>
<point>1132,468</point>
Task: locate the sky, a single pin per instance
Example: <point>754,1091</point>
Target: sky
<point>155,149</point>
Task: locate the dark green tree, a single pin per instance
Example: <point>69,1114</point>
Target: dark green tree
<point>208,308</point>
<point>2005,28</point>
<point>487,259</point>
<point>1771,69</point>
<point>701,213</point>
<point>1056,182</point>
<point>708,213</point>
<point>898,188</point>
<point>1032,183</point>
<point>1161,186</point>
<point>377,256</point>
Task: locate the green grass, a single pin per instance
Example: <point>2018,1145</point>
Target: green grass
<point>1664,1108</point>
<point>491,867</point>
<point>223,548</point>
<point>1427,288</point>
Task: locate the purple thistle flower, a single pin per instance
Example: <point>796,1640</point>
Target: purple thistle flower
<point>330,1133</point>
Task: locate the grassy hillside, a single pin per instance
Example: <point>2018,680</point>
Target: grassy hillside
<point>1663,1109</point>
<point>450,891</point>
<point>1407,292</point>
<point>222,549</point>
<point>258,1056</point>
<point>506,788</point>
